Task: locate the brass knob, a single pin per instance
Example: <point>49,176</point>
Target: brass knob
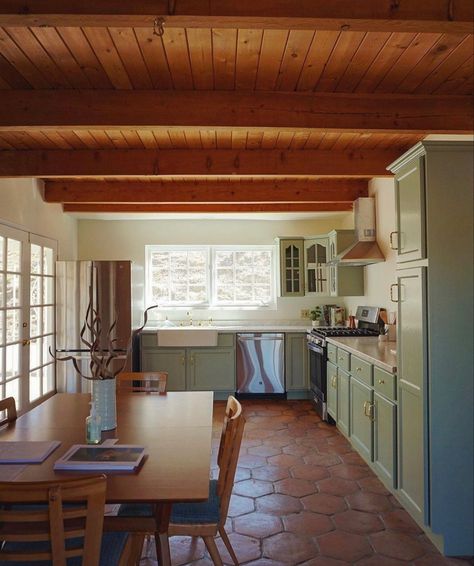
<point>358,369</point>
<point>381,381</point>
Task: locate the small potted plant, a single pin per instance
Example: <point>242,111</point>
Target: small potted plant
<point>316,316</point>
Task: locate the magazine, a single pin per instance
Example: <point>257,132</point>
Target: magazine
<point>125,457</point>
<point>26,451</point>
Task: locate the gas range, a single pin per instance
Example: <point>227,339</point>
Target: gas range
<point>318,335</point>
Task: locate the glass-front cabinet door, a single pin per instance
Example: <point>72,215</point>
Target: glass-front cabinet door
<point>316,270</point>
<point>291,267</point>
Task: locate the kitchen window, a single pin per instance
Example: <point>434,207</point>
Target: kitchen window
<point>211,276</point>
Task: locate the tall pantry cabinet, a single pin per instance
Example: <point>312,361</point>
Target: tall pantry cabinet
<point>434,292</point>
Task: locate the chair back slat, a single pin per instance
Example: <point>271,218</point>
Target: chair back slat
<point>228,456</point>
<point>142,381</point>
<point>8,406</point>
<point>73,509</point>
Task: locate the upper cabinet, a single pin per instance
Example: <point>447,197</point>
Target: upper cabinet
<point>291,267</point>
<point>409,239</point>
<point>316,252</point>
<point>343,280</point>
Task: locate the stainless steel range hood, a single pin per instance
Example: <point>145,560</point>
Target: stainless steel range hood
<point>366,250</point>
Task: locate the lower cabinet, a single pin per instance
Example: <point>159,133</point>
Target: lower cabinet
<point>198,369</point>
<point>332,393</point>
<point>343,401</point>
<point>361,411</point>
<point>385,439</point>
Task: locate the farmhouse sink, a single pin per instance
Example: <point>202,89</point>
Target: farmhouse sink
<point>187,336</point>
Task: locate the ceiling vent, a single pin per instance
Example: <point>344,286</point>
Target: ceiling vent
<point>366,250</point>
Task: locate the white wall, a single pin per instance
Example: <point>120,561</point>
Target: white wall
<point>22,206</point>
<point>379,277</point>
<point>126,239</point>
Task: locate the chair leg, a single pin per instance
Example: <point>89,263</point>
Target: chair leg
<point>213,551</point>
<point>162,549</point>
<point>228,545</point>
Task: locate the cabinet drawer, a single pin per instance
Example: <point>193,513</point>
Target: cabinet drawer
<point>343,359</point>
<point>385,383</point>
<point>361,369</point>
<point>332,353</point>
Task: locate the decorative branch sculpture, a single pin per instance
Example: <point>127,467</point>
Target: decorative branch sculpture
<point>101,366</point>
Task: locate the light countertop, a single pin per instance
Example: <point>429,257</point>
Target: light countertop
<point>371,350</point>
<point>244,327</point>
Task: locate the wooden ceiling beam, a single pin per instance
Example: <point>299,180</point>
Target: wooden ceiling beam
<point>319,190</point>
<point>219,110</point>
<point>209,208</point>
<point>195,162</point>
<point>433,16</point>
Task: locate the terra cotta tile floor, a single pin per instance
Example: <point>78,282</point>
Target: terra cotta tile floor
<point>302,496</point>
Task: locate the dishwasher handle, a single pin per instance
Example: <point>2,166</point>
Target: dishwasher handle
<point>258,338</point>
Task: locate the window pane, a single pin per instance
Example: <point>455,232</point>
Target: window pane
<point>35,384</point>
<point>48,378</point>
<point>48,288</point>
<point>13,290</point>
<point>12,389</point>
<point>36,257</point>
<point>2,244</point>
<point>35,321</point>
<point>13,325</point>
<point>12,366</point>
<point>2,319</point>
<point>35,352</point>
<point>47,345</point>
<point>35,290</point>
<point>48,261</point>
<point>13,255</point>
<point>2,299</point>
<point>48,320</point>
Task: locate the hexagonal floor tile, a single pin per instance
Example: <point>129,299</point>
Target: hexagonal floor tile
<point>289,548</point>
<point>297,450</point>
<point>344,546</point>
<point>379,560</point>
<point>397,545</point>
<point>284,460</point>
<point>309,472</point>
<point>337,486</point>
<point>270,473</point>
<point>251,461</point>
<point>258,525</point>
<point>324,459</point>
<point>374,485</point>
<point>242,474</point>
<point>183,549</point>
<point>264,451</point>
<point>324,503</point>
<point>371,502</point>
<point>353,458</point>
<point>253,488</point>
<point>278,504</point>
<point>240,506</point>
<point>348,472</point>
<point>279,441</point>
<point>246,548</point>
<point>307,523</point>
<point>324,561</point>
<point>400,520</point>
<point>294,486</point>
<point>358,522</point>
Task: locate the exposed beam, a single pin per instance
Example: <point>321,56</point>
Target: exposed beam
<point>437,16</point>
<point>195,162</point>
<point>89,109</point>
<point>320,190</point>
<point>202,208</point>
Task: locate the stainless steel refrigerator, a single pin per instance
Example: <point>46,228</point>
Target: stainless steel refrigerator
<point>108,285</point>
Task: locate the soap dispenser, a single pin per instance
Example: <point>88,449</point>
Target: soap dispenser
<point>93,427</point>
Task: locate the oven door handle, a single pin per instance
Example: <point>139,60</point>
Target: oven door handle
<point>316,348</point>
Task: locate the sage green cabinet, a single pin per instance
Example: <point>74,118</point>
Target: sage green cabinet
<point>316,271</point>
<point>343,401</point>
<point>211,369</point>
<point>331,373</point>
<point>171,360</point>
<point>385,439</point>
<point>296,362</point>
<point>361,416</point>
<point>291,267</point>
<point>410,202</point>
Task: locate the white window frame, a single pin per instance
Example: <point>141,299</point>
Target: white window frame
<point>211,250</point>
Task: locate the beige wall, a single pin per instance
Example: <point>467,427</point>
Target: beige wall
<point>126,239</point>
<point>379,277</point>
<point>22,206</point>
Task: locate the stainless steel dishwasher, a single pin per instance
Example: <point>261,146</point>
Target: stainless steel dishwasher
<point>261,363</point>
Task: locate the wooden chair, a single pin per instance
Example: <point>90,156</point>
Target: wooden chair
<point>207,519</point>
<point>59,522</point>
<point>143,381</point>
<point>8,405</point>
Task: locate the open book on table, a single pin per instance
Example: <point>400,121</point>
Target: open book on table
<point>125,457</point>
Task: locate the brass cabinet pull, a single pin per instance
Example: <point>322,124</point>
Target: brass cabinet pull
<point>381,381</point>
<point>334,381</point>
<point>183,360</point>
<point>365,408</point>
<point>358,369</point>
<point>369,410</point>
<point>341,358</point>
<point>392,245</point>
<point>391,293</point>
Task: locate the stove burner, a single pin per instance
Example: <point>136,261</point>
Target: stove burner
<point>335,331</point>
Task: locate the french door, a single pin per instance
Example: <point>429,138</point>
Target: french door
<point>27,264</point>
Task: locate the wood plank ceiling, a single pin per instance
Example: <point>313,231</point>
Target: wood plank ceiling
<point>251,105</point>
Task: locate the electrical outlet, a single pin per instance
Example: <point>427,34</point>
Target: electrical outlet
<point>304,313</point>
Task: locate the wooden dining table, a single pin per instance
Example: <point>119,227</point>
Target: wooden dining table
<point>175,429</point>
